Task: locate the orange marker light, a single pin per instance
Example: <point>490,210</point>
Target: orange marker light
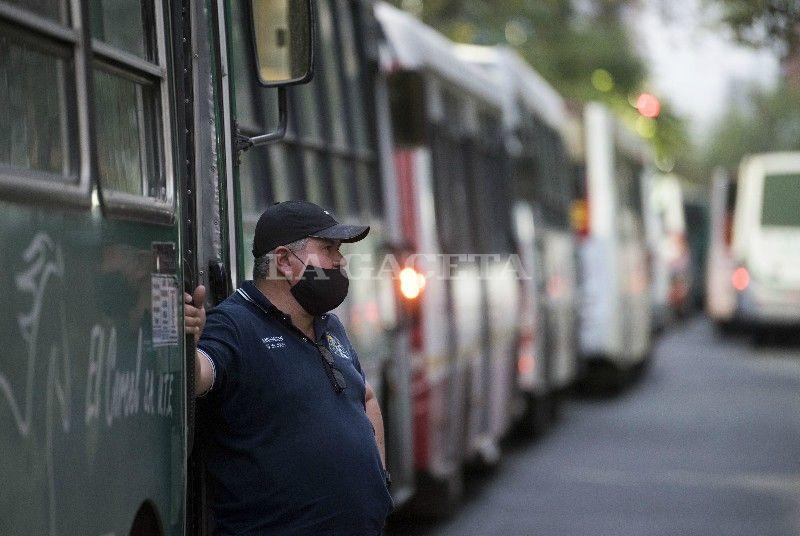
<point>526,364</point>
<point>740,279</point>
<point>411,283</point>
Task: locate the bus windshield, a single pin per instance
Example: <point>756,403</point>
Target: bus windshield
<point>781,201</point>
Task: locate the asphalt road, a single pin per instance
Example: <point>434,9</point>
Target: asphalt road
<point>706,443</point>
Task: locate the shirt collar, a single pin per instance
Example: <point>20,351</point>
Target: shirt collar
<point>250,292</point>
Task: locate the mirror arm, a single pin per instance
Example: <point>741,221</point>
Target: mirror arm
<point>244,143</point>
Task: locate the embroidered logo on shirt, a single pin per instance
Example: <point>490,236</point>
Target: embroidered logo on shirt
<point>274,342</point>
<point>337,347</point>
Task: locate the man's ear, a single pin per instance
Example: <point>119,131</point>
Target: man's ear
<point>283,261</point>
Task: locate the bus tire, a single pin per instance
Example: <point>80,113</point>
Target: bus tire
<point>601,379</point>
<point>556,405</point>
<point>438,498</point>
<point>147,521</point>
<point>536,419</point>
<point>763,337</point>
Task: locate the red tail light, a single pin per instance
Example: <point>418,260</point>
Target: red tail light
<point>740,279</point>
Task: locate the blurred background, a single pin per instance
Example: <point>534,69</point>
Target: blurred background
<point>637,161</point>
<point>726,72</point>
<point>708,440</point>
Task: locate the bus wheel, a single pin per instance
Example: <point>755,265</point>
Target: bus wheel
<point>438,498</point>
<point>763,337</point>
<point>536,419</point>
<point>147,521</point>
<point>601,379</point>
<point>724,328</point>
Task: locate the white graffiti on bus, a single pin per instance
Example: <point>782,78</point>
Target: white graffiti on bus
<point>45,262</point>
<point>111,394</point>
<point>43,279</point>
<point>120,394</point>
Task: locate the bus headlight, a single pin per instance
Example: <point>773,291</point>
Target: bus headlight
<point>411,283</point>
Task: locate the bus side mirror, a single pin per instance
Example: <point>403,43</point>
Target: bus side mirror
<point>283,42</point>
<point>283,39</point>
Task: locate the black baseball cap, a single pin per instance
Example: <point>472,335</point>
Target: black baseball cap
<point>287,222</point>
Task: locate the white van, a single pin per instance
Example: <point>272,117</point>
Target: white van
<point>766,240</point>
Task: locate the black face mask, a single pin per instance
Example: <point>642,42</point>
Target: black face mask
<point>318,294</point>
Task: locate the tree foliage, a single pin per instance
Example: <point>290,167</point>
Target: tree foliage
<point>567,42</point>
<point>764,23</point>
<point>770,122</point>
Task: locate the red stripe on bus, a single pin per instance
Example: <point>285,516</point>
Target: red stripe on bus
<point>404,164</point>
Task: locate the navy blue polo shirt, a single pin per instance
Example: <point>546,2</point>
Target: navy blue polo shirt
<point>286,453</point>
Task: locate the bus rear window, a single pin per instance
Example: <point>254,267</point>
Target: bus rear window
<point>781,206</point>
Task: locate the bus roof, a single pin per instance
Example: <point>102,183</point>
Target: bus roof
<point>414,46</point>
<point>519,79</point>
<point>521,83</point>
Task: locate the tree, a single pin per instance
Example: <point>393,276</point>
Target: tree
<point>764,23</point>
<point>564,44</point>
<point>569,43</point>
<point>770,122</point>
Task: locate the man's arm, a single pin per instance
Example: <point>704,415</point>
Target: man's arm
<point>203,374</point>
<point>195,320</point>
<point>375,417</point>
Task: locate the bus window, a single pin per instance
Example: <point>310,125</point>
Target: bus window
<point>451,151</point>
<point>264,175</point>
<point>331,72</point>
<point>352,71</point>
<point>315,176</point>
<point>305,136</point>
<point>57,10</point>
<point>128,96</point>
<point>365,179</point>
<point>781,201</point>
<point>256,193</point>
<point>407,92</point>
<point>37,103</point>
<point>294,179</point>
<point>125,25</point>
<point>280,173</point>
<point>128,137</point>
<point>319,159</point>
<point>488,188</point>
<point>344,192</point>
<point>358,100</point>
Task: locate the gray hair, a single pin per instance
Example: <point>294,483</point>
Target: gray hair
<point>262,265</point>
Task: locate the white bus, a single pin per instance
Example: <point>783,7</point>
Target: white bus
<point>540,135</point>
<point>766,241</point>
<point>454,203</point>
<point>615,301</point>
<point>668,245</point>
<point>720,302</point>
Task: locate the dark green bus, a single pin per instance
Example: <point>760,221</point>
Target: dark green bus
<point>119,153</point>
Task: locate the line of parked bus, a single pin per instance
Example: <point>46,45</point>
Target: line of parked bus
<point>131,169</point>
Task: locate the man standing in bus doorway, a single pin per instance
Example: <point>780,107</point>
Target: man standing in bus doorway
<point>293,432</point>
